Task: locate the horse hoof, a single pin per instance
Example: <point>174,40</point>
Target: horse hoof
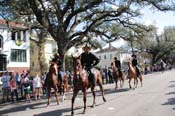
<point>84,111</point>
<point>104,99</point>
<point>93,106</point>
<point>72,114</point>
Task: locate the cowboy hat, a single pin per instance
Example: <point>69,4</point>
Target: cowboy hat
<point>86,47</point>
<point>133,55</point>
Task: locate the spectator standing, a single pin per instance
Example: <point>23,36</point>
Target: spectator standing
<point>26,85</point>
<point>37,86</point>
<point>13,88</point>
<point>5,86</point>
<point>17,77</point>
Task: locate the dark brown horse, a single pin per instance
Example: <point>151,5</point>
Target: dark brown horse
<point>81,82</point>
<point>118,76</point>
<point>132,74</point>
<point>52,81</point>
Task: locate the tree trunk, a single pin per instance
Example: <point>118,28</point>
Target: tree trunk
<point>41,56</point>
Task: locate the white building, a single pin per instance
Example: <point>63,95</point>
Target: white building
<point>106,56</point>
<point>14,47</point>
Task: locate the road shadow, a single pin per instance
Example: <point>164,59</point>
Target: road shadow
<point>171,101</point>
<point>58,112</point>
<point>22,108</point>
<point>62,112</point>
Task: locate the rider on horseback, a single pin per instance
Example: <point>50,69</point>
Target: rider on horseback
<point>56,59</point>
<point>118,65</point>
<point>88,61</point>
<point>135,64</point>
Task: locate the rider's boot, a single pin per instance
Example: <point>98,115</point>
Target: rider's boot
<point>60,78</point>
<point>92,79</point>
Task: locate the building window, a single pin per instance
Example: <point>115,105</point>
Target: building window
<point>104,56</point>
<point>18,35</point>
<point>1,42</point>
<point>111,56</point>
<point>13,35</point>
<point>18,55</point>
<point>24,36</point>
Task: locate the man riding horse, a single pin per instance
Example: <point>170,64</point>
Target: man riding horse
<point>88,61</point>
<point>118,65</point>
<point>56,59</point>
<point>135,64</point>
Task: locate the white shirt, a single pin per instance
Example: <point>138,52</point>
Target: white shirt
<point>36,82</point>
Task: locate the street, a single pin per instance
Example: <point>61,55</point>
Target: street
<point>155,98</point>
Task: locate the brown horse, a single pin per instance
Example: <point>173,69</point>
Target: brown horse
<point>118,76</point>
<point>81,82</point>
<point>52,81</point>
<point>132,74</point>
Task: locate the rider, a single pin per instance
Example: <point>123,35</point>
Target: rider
<point>135,64</point>
<point>118,64</point>
<point>88,61</point>
<point>56,59</point>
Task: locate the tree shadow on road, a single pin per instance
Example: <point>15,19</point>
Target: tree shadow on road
<point>22,108</point>
<point>59,112</point>
<point>171,101</point>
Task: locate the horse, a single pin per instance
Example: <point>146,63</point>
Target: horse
<point>81,82</point>
<point>118,76</point>
<point>132,74</point>
<point>52,81</point>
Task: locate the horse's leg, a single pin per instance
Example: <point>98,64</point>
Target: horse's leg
<point>135,82</point>
<point>56,95</point>
<point>84,100</point>
<point>48,95</point>
<point>63,92</point>
<point>130,82</point>
<point>75,92</point>
<point>102,91</point>
<point>116,81</point>
<point>141,80</point>
<point>93,93</point>
<point>121,82</point>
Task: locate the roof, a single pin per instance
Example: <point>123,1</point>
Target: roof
<point>14,25</point>
<point>108,49</point>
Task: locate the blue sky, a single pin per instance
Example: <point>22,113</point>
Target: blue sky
<point>157,18</point>
<point>160,19</point>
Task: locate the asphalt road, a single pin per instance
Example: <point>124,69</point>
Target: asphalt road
<point>155,98</point>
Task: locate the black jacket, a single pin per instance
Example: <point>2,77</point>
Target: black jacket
<point>118,64</point>
<point>134,62</point>
<point>89,60</point>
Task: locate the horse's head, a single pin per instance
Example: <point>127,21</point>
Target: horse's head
<point>53,68</point>
<point>129,62</point>
<point>76,63</point>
